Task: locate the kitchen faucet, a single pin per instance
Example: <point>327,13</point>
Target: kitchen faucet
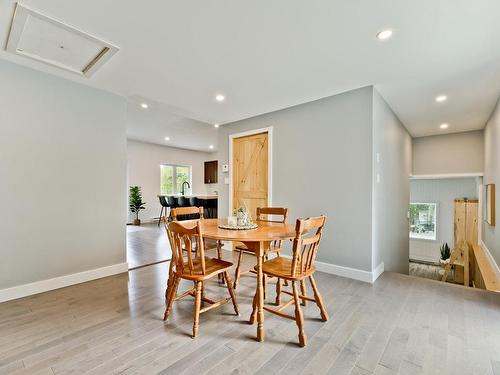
<point>183,184</point>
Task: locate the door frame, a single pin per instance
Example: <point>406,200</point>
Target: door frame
<point>269,131</point>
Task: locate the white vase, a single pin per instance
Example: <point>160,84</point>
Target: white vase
<point>243,218</point>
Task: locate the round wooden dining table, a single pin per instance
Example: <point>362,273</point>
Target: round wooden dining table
<point>257,240</point>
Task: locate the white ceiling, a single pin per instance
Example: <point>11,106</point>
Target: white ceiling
<point>159,121</point>
<point>268,55</point>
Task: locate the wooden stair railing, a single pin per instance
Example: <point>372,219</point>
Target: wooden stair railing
<point>485,273</point>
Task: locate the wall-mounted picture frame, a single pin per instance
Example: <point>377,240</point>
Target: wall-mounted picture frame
<point>489,204</point>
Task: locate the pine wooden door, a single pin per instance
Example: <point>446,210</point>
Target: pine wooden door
<point>466,217</point>
<point>250,174</point>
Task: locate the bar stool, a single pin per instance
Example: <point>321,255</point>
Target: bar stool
<point>182,201</point>
<point>164,206</point>
<point>203,203</point>
<point>194,202</point>
<point>212,206</point>
<point>172,203</point>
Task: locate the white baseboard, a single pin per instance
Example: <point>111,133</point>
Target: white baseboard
<point>488,254</point>
<point>424,258</point>
<point>444,175</point>
<point>351,273</point>
<point>60,282</point>
<point>377,272</point>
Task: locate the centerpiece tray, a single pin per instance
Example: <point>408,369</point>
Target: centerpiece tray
<point>238,227</point>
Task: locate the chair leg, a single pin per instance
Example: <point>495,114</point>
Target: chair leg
<point>202,293</point>
<point>299,317</point>
<point>171,297</point>
<point>170,279</point>
<point>319,299</point>
<point>197,305</point>
<point>253,316</point>
<point>161,214</point>
<point>231,292</point>
<point>220,278</point>
<point>303,291</point>
<point>237,272</point>
<point>278,292</point>
<point>285,282</point>
<point>264,284</point>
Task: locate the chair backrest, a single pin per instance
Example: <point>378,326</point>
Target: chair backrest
<point>263,215</point>
<point>263,212</point>
<point>308,234</point>
<point>163,201</point>
<point>182,201</point>
<point>186,213</point>
<point>181,236</point>
<point>171,201</point>
<point>193,202</point>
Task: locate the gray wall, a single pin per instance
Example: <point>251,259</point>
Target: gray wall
<point>391,169</point>
<point>443,192</point>
<point>63,172</point>
<point>449,153</point>
<point>322,164</point>
<point>491,235</point>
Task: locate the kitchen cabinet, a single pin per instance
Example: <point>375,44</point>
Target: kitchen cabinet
<point>211,168</point>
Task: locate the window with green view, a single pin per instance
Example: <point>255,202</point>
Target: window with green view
<point>423,221</point>
<point>172,178</point>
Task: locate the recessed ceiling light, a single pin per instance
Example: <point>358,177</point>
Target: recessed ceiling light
<point>211,147</point>
<point>216,125</point>
<point>443,126</point>
<point>167,138</point>
<point>220,97</point>
<point>144,105</point>
<point>384,34</point>
<point>441,98</point>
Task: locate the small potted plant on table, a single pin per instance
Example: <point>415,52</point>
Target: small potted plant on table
<point>135,202</point>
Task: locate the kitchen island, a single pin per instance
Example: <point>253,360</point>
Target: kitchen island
<point>207,201</point>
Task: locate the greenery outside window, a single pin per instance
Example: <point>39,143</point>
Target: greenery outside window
<point>423,221</point>
<point>172,178</point>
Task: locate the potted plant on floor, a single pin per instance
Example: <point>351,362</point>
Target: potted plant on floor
<point>135,202</point>
<point>445,253</point>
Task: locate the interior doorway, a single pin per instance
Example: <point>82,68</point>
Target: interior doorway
<point>444,213</point>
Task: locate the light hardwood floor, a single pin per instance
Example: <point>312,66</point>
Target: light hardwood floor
<point>399,325</point>
<point>146,244</point>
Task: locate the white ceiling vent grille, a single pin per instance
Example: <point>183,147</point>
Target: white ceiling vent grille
<point>41,38</point>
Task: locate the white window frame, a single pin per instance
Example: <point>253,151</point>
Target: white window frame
<point>436,237</point>
<point>174,177</point>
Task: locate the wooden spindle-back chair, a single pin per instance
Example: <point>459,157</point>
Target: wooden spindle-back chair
<point>193,268</point>
<point>191,213</point>
<point>263,214</point>
<point>308,233</point>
